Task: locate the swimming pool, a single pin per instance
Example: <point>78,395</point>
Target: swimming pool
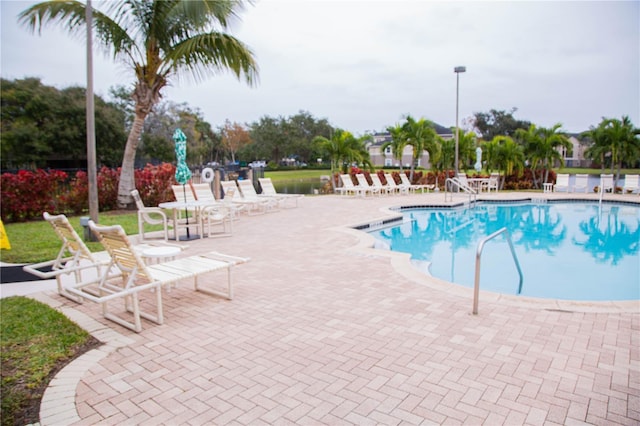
<point>567,250</point>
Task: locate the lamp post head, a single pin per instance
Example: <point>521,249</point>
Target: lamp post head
<point>460,69</point>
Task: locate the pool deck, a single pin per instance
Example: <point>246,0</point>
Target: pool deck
<point>324,330</point>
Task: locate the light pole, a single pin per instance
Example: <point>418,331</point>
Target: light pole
<point>457,70</point>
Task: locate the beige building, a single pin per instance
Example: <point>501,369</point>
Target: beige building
<point>386,159</point>
<point>576,158</point>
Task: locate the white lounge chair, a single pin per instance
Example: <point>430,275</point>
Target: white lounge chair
<point>413,187</point>
<point>377,183</point>
<point>348,188</point>
<point>364,183</point>
<point>402,189</point>
<point>150,215</point>
<point>232,193</point>
<point>74,262</point>
<point>631,184</point>
<point>137,277</point>
<point>606,183</point>
<point>217,213</point>
<point>268,189</point>
<point>581,183</point>
<point>562,183</point>
<point>249,193</point>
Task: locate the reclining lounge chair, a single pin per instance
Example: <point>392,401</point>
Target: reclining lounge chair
<point>138,277</point>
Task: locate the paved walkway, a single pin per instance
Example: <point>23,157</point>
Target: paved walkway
<point>324,330</point>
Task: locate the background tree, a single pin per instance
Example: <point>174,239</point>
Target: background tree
<point>158,40</point>
<point>504,154</point>
<point>623,141</point>
<point>234,137</point>
<point>541,146</point>
<point>344,149</point>
<point>614,143</point>
<point>268,137</point>
<point>466,148</point>
<point>397,143</point>
<point>497,123</point>
<point>422,136</point>
<point>45,127</point>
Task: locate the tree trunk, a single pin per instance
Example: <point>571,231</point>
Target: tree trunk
<point>127,176</point>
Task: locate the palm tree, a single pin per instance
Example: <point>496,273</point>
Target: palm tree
<point>617,139</point>
<point>541,145</point>
<point>344,149</point>
<point>160,41</point>
<point>466,147</point>
<point>397,143</point>
<point>599,144</point>
<point>623,140</point>
<point>504,154</point>
<point>422,137</point>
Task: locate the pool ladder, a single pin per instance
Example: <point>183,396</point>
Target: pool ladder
<point>454,183</point>
<point>476,285</point>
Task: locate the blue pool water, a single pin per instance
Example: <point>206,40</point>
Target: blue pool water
<point>572,251</point>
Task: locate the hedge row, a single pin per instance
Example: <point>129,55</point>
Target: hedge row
<point>26,194</point>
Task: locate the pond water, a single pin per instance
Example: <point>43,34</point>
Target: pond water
<point>301,186</point>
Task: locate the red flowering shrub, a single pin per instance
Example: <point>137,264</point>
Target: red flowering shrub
<point>154,183</point>
<point>26,194</point>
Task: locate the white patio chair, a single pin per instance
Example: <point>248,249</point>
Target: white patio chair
<point>268,189</point>
<point>150,215</point>
<point>74,262</point>
<point>137,277</point>
<point>377,183</point>
<point>215,214</point>
<point>402,189</point>
<point>364,183</point>
<point>562,183</point>
<point>606,183</point>
<point>581,183</point>
<point>493,182</point>
<point>348,188</point>
<point>413,187</point>
<point>631,184</point>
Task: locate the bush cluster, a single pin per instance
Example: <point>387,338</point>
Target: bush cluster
<point>27,194</point>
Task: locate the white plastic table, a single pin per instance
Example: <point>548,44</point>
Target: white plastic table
<point>160,254</point>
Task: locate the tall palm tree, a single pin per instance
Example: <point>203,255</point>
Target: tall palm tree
<point>617,140</point>
<point>160,41</point>
<point>344,149</point>
<point>466,147</point>
<point>505,154</point>
<point>397,143</point>
<point>422,137</point>
<point>599,144</point>
<point>623,140</point>
<point>541,144</point>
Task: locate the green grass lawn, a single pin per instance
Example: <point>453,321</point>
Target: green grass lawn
<point>35,241</point>
<point>35,343</point>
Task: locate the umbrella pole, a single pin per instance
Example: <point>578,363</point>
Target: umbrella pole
<point>186,213</point>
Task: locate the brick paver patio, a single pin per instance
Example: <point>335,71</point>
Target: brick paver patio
<point>326,331</point>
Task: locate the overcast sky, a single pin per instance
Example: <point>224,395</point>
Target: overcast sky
<point>363,65</point>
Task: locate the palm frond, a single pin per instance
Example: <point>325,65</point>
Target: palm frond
<point>203,53</point>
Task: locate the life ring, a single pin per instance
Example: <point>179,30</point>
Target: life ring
<point>207,175</point>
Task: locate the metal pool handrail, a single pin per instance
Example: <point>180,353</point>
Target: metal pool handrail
<point>454,181</point>
<point>476,286</point>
